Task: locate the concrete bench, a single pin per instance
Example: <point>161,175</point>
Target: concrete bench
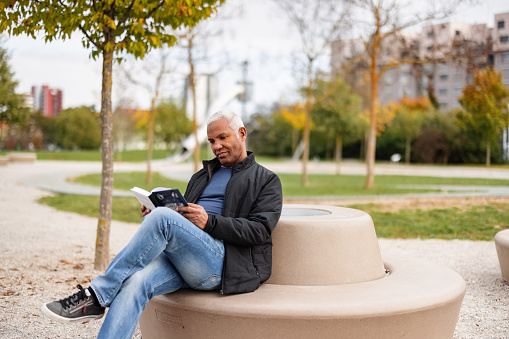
<point>328,281</point>
<point>502,245</point>
<point>4,160</point>
<point>22,157</point>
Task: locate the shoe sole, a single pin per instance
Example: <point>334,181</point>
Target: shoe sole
<point>47,312</point>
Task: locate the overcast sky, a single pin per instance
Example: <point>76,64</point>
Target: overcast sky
<point>258,31</point>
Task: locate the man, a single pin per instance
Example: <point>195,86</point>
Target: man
<point>221,241</point>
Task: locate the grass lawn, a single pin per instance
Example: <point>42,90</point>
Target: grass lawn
<point>127,180</point>
<point>128,156</point>
<point>320,185</point>
<point>348,185</point>
<point>474,222</point>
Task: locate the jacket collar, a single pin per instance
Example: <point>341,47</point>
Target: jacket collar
<point>211,166</point>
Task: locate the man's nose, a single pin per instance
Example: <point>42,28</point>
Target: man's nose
<point>217,145</point>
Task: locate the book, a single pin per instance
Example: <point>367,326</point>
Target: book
<point>160,196</point>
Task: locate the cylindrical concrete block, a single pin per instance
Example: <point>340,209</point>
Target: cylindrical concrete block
<point>502,245</point>
<point>324,245</point>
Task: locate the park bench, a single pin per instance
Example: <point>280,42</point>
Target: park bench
<point>502,246</point>
<point>328,281</point>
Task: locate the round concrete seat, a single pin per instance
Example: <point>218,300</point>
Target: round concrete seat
<point>328,281</point>
<point>502,245</point>
<point>417,300</point>
<point>3,160</point>
<point>22,157</point>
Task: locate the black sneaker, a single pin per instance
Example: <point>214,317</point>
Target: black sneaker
<point>77,307</point>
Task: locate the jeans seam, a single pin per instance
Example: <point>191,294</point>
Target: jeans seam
<point>206,280</point>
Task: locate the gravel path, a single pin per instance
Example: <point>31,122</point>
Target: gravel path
<point>45,253</point>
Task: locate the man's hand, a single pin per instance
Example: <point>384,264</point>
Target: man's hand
<point>195,214</point>
<point>144,211</point>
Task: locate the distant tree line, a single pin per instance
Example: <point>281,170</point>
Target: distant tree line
<point>414,128</point>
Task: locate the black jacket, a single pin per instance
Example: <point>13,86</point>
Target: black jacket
<point>252,207</point>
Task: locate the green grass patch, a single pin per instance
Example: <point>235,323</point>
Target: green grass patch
<point>124,209</point>
<point>127,156</point>
<point>320,185</point>
<point>353,185</point>
<point>127,180</point>
<point>478,222</point>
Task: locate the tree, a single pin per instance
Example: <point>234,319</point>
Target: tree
<point>319,22</point>
<point>78,128</point>
<point>154,74</point>
<point>385,27</point>
<point>296,116</point>
<point>337,114</point>
<point>180,126</point>
<point>409,117</point>
<point>12,110</point>
<point>109,28</point>
<point>270,133</point>
<point>485,107</point>
<point>193,41</point>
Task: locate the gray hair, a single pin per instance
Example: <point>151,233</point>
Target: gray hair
<point>233,118</point>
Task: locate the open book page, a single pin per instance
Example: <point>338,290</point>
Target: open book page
<point>143,196</point>
<point>159,196</point>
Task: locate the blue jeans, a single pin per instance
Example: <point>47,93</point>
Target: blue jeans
<point>167,253</point>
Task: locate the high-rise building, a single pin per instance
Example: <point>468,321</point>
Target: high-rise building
<point>47,100</point>
<point>500,34</point>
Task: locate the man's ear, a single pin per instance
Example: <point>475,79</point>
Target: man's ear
<point>242,133</point>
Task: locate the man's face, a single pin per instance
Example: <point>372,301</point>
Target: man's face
<point>226,144</point>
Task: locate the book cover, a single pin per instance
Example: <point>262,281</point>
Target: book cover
<point>160,197</point>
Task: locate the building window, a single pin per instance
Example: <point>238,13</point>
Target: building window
<point>429,48</point>
<point>457,90</point>
<point>442,91</point>
<point>443,105</point>
<point>501,24</point>
<point>443,77</point>
<point>504,39</point>
<point>505,57</point>
<point>430,34</point>
<point>457,33</point>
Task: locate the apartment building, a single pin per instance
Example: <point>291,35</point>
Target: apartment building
<point>47,100</point>
<point>449,53</point>
<point>500,35</point>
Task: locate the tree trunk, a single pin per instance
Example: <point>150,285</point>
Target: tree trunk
<point>102,247</point>
<point>339,153</point>
<point>150,138</point>
<point>295,139</point>
<point>307,126</point>
<point>408,150</point>
<point>192,84</point>
<point>488,153</point>
<point>152,116</point>
<point>371,143</point>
